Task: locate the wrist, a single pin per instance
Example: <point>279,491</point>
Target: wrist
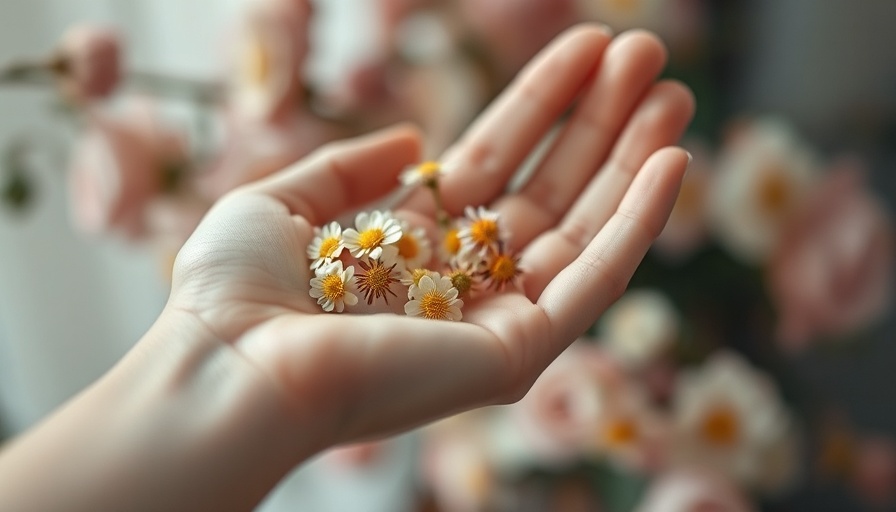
<point>220,428</point>
<point>183,422</point>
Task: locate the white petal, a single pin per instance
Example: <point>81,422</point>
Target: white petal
<point>350,298</point>
<point>316,293</point>
<point>376,251</point>
<point>426,284</point>
<point>361,222</point>
<point>412,308</point>
<point>340,306</point>
<point>454,314</point>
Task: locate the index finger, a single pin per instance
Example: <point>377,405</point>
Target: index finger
<point>494,147</point>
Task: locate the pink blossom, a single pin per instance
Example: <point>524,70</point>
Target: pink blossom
<point>457,469</point>
<point>874,471</point>
<point>693,489</point>
<point>561,414</point>
<point>271,52</point>
<point>832,273</point>
<point>252,152</point>
<point>88,61</point>
<point>117,167</point>
<point>515,30</point>
<point>687,228</point>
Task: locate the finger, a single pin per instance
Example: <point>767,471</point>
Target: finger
<point>659,121</point>
<point>498,142</point>
<point>601,268</point>
<point>345,174</point>
<point>631,65</point>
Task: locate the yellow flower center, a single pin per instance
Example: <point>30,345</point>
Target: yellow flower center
<point>417,274</point>
<point>775,192</point>
<point>502,269</point>
<point>434,305</point>
<point>451,242</point>
<point>332,286</point>
<point>371,238</point>
<point>328,247</point>
<point>408,248</point>
<point>257,63</point>
<point>428,170</point>
<point>376,281</point>
<point>461,280</point>
<point>484,232</point>
<point>622,432</point>
<point>720,426</point>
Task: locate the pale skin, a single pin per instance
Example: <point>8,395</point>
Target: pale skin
<point>243,377</point>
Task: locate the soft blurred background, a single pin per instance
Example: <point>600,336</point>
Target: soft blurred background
<point>748,368</point>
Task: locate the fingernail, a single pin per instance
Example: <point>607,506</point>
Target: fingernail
<point>603,27</point>
<point>690,158</point>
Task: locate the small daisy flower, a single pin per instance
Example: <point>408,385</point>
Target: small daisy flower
<point>728,416</point>
<point>377,280</point>
<point>464,277</point>
<point>501,268</point>
<point>435,298</point>
<point>640,327</point>
<point>326,246</point>
<point>426,173</point>
<point>411,278</point>
<point>330,287</point>
<point>450,245</point>
<point>373,231</point>
<point>481,233</point>
<point>413,249</point>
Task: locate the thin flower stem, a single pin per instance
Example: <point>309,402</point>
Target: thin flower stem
<point>27,73</point>
<point>171,86</point>
<point>442,216</point>
<point>45,74</point>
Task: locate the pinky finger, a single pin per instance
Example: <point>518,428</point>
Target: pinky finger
<point>581,290</point>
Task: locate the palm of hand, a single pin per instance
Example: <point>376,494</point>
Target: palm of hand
<point>582,224</point>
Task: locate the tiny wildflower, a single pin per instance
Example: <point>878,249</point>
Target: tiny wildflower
<point>372,232</point>
<point>481,234</point>
<point>450,246</point>
<point>377,280</point>
<point>463,277</point>
<point>426,173</point>
<point>501,269</point>
<point>411,278</point>
<point>326,246</point>
<point>435,298</point>
<point>413,249</point>
<point>329,287</point>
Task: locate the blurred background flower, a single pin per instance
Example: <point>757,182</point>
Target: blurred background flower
<point>748,368</point>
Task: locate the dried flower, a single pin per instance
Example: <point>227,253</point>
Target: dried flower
<point>377,280</point>
<point>501,268</point>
